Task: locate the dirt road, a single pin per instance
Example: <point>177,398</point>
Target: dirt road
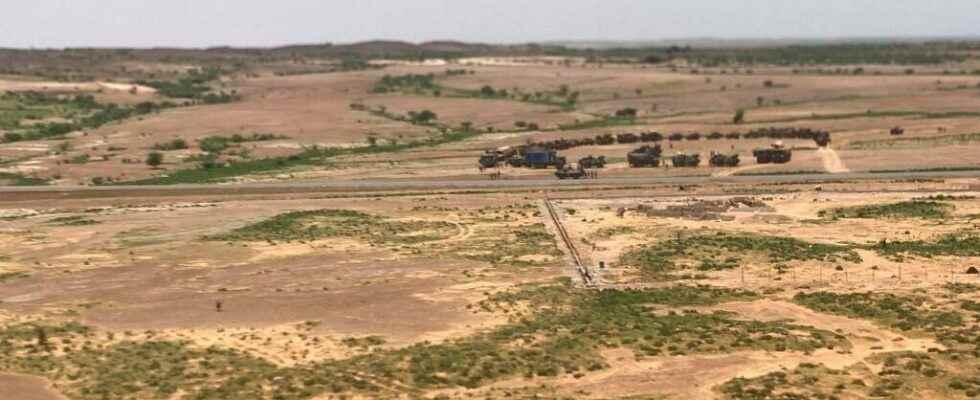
<point>349,186</point>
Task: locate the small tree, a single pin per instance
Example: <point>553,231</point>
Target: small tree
<point>422,117</point>
<point>759,101</point>
<point>488,91</point>
<point>154,159</point>
<point>739,116</point>
<point>42,338</point>
<point>627,112</point>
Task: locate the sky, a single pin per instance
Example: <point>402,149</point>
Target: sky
<point>203,23</point>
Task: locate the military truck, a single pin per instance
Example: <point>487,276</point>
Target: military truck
<point>493,157</point>
<point>774,155</point>
<point>645,156</point>
<point>898,131</point>
<point>723,160</point>
<point>686,160</point>
<point>592,162</point>
<point>539,157</point>
<point>571,172</point>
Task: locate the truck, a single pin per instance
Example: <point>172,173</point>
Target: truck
<point>539,157</point>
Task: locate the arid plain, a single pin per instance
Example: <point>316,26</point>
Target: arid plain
<point>220,287</point>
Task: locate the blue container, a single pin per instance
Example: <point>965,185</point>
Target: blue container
<point>538,158</point>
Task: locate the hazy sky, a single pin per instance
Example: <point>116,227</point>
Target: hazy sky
<point>60,23</point>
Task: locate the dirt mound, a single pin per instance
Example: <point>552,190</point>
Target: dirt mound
<point>706,210</point>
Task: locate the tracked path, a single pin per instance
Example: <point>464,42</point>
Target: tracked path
<point>832,162</point>
<point>587,278</point>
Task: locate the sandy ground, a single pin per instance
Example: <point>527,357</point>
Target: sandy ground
<point>19,86</point>
<point>17,387</point>
<point>315,110</point>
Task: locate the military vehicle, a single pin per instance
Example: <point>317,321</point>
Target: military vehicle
<point>538,157</point>
<point>897,131</point>
<point>651,137</point>
<point>686,160</point>
<point>493,157</point>
<point>592,162</point>
<point>822,138</point>
<point>624,138</point>
<point>605,140</point>
<point>645,156</point>
<point>774,155</point>
<point>724,160</point>
<point>571,172</point>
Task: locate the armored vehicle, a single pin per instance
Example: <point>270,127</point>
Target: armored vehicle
<point>724,160</point>
<point>605,140</point>
<point>592,162</point>
<point>686,160</point>
<point>624,138</point>
<point>571,172</point>
<point>775,155</point>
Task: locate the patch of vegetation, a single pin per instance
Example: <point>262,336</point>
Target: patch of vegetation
<point>212,173</point>
<point>610,232</point>
<point>902,375</point>
<point>425,84</point>
<point>176,144</point>
<point>727,250</point>
<point>806,382</point>
<point>954,244</point>
<point>901,312</point>
<point>366,342</point>
<point>916,141</point>
<point>6,276</point>
<point>320,224</point>
<point>824,54</point>
<point>12,179</point>
<point>217,144</point>
<point>75,220</point>
<point>194,85</point>
<point>523,246</point>
<point>415,83</point>
<point>947,197</point>
<point>924,209</point>
<point>562,336</point>
<point>961,288</point>
<point>80,159</point>
<point>80,112</point>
